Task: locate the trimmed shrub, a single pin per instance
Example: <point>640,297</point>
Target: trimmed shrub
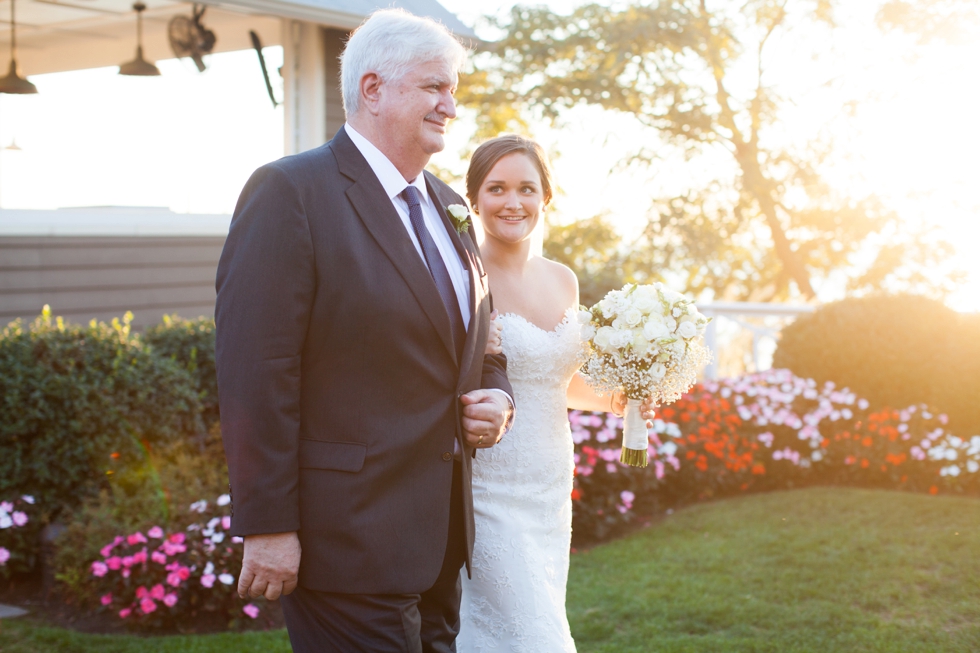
<point>82,405</point>
<point>190,343</point>
<point>894,351</point>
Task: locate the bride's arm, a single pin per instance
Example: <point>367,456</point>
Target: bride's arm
<point>582,397</point>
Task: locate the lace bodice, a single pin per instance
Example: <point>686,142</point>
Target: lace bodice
<point>522,501</point>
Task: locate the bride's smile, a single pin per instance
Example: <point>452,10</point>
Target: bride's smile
<point>510,199</point>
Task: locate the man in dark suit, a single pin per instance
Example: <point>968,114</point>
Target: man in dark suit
<point>352,321</point>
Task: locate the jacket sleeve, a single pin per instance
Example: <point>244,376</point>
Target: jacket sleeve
<point>265,290</point>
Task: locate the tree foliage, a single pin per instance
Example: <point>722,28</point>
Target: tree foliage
<point>694,74</point>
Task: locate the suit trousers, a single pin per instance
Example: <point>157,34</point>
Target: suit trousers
<point>324,622</point>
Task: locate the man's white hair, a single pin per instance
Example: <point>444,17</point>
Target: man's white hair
<point>390,42</point>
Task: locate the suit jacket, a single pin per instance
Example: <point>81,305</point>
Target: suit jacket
<point>338,380</point>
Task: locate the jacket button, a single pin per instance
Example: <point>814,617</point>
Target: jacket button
<point>447,456</point>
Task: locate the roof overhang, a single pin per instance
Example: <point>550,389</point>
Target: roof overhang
<point>62,35</point>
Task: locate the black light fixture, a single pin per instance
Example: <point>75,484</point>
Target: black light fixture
<point>14,83</point>
<point>139,66</point>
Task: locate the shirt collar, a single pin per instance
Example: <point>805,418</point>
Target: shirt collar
<point>386,172</point>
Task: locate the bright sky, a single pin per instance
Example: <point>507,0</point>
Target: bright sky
<point>189,141</point>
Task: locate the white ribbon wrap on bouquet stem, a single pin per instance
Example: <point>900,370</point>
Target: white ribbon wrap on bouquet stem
<point>635,438</point>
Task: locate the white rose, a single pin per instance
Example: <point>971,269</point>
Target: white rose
<point>603,338</point>
<point>687,330</point>
<point>584,317</point>
<point>654,329</point>
<point>671,324</point>
<point>632,317</point>
<point>588,332</point>
<point>608,308</point>
<point>645,299</point>
<point>458,211</point>
<point>658,371</point>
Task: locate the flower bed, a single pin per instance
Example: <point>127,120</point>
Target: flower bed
<point>160,579</point>
<point>764,431</point>
<point>18,535</point>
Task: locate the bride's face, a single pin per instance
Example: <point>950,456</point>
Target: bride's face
<point>510,199</point>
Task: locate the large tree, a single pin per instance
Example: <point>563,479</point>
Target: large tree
<point>693,73</point>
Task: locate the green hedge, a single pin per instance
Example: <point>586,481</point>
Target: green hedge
<point>895,351</point>
<point>81,404</point>
<point>190,343</point>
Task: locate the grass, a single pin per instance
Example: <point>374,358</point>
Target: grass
<point>817,570</point>
<point>821,569</point>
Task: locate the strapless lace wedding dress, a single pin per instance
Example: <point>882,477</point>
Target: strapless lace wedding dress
<point>522,488</point>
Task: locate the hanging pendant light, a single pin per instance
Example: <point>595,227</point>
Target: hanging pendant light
<point>139,66</point>
<point>14,83</point>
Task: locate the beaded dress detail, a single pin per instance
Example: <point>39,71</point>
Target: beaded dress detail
<point>522,488</point>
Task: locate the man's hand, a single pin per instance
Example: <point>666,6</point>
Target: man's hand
<point>485,415</point>
<point>270,566</point>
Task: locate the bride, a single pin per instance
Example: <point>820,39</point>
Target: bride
<point>515,600</point>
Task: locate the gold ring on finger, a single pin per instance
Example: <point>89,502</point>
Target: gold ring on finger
<point>480,441</point>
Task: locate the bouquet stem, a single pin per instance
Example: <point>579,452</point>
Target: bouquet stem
<point>635,438</point>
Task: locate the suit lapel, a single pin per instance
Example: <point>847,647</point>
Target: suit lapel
<point>375,210</point>
<point>466,249</point>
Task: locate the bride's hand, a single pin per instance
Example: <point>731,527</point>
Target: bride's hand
<point>495,338</point>
<point>617,406</point>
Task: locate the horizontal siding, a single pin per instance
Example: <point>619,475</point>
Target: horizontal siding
<point>103,277</point>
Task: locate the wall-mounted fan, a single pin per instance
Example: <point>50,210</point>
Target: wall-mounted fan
<point>189,38</point>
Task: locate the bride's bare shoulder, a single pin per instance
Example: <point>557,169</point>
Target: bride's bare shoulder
<point>561,278</point>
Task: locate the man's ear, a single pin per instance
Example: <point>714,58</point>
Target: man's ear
<point>371,92</point>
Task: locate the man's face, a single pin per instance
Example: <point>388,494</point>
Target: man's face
<point>417,108</point>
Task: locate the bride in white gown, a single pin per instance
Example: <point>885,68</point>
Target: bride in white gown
<point>515,600</point>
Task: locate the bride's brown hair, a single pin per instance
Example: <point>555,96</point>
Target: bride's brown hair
<point>487,155</point>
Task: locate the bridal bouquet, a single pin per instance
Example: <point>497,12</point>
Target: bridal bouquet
<point>644,341</point>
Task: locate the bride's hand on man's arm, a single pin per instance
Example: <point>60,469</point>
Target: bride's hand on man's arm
<point>495,338</point>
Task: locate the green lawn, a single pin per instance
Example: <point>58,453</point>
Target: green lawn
<point>811,570</point>
<point>817,570</point>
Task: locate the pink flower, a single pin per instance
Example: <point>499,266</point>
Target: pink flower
<point>4,556</point>
<point>6,506</point>
<point>170,600</point>
<point>173,579</point>
<point>177,538</point>
<point>147,606</point>
<point>173,566</point>
<point>125,573</point>
<point>124,612</point>
<point>173,549</point>
<point>128,561</point>
<point>99,569</point>
<point>106,599</point>
<point>251,610</point>
<point>208,580</point>
<point>139,557</point>
<point>141,592</point>
<point>156,532</point>
<point>19,518</point>
<point>106,550</point>
<point>226,522</point>
<point>136,538</point>
<point>159,558</point>
<point>184,573</point>
<point>157,592</point>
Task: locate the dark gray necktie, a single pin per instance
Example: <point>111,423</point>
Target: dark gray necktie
<point>437,267</point>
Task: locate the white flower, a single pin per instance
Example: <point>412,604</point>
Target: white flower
<point>655,329</point>
<point>217,538</point>
<point>632,316</point>
<point>223,500</point>
<point>658,371</point>
<point>28,498</point>
<point>621,338</point>
<point>687,330</point>
<point>226,578</point>
<point>585,317</point>
<point>603,339</point>
<point>458,211</point>
<point>199,506</point>
<point>209,568</point>
<point>640,343</point>
<point>5,521</point>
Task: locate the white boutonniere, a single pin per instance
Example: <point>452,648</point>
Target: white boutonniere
<point>460,217</point>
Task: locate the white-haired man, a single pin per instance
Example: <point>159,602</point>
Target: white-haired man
<point>352,322</point>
